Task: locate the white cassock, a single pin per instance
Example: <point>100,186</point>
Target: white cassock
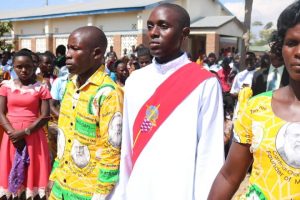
<point>182,159</point>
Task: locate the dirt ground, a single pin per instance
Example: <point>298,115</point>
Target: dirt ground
<point>242,189</point>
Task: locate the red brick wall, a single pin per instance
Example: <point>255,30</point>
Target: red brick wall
<point>33,44</point>
<point>143,39</point>
<point>117,45</point>
<point>49,42</point>
<point>212,43</point>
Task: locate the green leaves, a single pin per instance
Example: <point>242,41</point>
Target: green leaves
<point>5,27</point>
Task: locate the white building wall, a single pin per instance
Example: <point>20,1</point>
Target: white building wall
<point>61,40</point>
<point>35,27</point>
<point>230,29</point>
<point>117,22</point>
<point>26,43</point>
<point>67,24</point>
<point>40,45</point>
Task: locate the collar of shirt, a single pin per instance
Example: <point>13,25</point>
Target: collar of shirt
<point>65,77</point>
<point>96,79</point>
<point>279,75</point>
<point>279,69</point>
<point>173,64</point>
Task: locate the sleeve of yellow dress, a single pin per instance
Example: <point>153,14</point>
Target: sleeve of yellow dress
<point>243,124</point>
<point>110,141</point>
<point>55,165</point>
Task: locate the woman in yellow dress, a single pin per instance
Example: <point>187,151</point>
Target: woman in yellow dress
<point>267,133</point>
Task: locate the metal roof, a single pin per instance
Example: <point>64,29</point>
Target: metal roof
<point>77,9</point>
<point>211,21</point>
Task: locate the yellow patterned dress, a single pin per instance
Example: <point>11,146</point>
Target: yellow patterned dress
<point>89,138</point>
<point>275,145</point>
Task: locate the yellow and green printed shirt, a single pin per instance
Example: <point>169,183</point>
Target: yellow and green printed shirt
<point>275,145</point>
<point>89,139</point>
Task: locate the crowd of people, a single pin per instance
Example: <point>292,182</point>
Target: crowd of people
<point>83,124</point>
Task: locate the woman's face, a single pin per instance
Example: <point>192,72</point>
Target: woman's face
<point>23,67</point>
<point>122,71</point>
<point>291,52</point>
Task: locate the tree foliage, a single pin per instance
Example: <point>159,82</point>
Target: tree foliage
<point>257,23</point>
<point>264,35</point>
<point>5,27</point>
<point>268,25</point>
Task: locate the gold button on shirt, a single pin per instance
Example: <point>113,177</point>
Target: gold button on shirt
<point>89,139</point>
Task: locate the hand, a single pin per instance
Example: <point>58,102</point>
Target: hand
<point>16,136</point>
<point>49,188</point>
<point>20,145</point>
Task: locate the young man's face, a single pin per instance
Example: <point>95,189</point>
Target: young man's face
<point>79,56</point>
<point>165,33</point>
<point>46,65</point>
<point>144,60</point>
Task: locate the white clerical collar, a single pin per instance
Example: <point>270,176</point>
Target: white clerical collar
<point>173,64</point>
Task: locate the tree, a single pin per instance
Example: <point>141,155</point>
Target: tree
<point>257,23</point>
<point>268,25</point>
<point>246,35</point>
<point>264,34</point>
<point>5,27</point>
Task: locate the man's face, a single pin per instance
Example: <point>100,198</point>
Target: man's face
<point>144,60</point>
<point>79,58</point>
<point>275,60</point>
<point>211,60</point>
<point>122,71</point>
<point>46,65</point>
<point>164,33</point>
<point>110,60</point>
<point>250,61</point>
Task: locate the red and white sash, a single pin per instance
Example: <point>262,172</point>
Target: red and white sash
<point>162,103</point>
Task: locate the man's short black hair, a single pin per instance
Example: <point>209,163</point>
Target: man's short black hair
<point>61,49</point>
<point>184,19</point>
<point>143,51</point>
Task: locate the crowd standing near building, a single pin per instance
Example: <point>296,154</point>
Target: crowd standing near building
<point>152,124</point>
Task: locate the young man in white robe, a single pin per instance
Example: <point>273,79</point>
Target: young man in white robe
<point>181,158</point>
